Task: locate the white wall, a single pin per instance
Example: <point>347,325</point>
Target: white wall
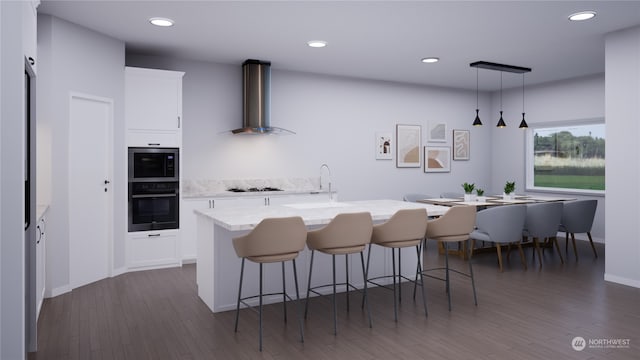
<point>83,61</point>
<point>622,177</point>
<point>335,119</point>
<point>575,99</point>
<point>12,259</point>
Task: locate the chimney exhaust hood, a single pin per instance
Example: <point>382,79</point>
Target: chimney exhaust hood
<point>256,100</point>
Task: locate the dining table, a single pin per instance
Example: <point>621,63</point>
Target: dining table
<point>484,202</point>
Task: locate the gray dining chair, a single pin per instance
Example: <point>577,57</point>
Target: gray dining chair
<point>577,217</point>
<point>414,197</point>
<point>542,222</point>
<point>451,195</point>
<point>501,225</point>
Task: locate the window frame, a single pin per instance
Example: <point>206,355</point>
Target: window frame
<point>529,160</point>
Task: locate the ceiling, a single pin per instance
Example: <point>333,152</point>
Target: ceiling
<point>382,40</point>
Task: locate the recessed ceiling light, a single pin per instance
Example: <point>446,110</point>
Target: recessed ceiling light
<point>430,60</point>
<point>158,21</point>
<point>582,15</point>
<point>317,43</point>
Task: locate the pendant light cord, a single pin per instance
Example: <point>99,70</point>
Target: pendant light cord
<point>523,93</point>
<point>477,83</point>
<point>500,90</point>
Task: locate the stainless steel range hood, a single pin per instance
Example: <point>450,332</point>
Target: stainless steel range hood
<point>256,100</point>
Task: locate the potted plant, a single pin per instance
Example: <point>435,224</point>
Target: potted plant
<point>468,191</point>
<point>480,194</point>
<point>509,188</point>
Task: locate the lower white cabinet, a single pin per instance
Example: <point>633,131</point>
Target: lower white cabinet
<point>153,249</point>
<point>41,244</point>
<point>188,226</point>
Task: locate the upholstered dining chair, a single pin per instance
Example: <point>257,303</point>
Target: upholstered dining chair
<point>346,234</point>
<point>501,225</point>
<point>577,217</point>
<point>405,228</point>
<point>414,197</point>
<point>454,226</point>
<point>542,222</point>
<point>451,195</point>
<point>272,240</point>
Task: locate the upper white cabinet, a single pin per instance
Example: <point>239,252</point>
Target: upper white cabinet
<point>153,107</point>
<point>29,28</point>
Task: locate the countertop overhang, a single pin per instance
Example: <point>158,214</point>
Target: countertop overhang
<point>246,218</point>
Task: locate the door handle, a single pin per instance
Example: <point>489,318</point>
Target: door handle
<point>106,182</point>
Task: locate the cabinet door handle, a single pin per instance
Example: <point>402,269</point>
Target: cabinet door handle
<point>153,235</point>
<point>178,122</point>
<point>153,144</point>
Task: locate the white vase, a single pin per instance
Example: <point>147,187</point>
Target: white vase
<point>509,196</point>
<point>481,198</point>
<point>469,197</point>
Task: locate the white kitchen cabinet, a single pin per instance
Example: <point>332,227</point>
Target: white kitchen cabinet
<point>153,107</point>
<point>153,249</point>
<point>41,245</point>
<point>188,217</point>
<point>29,28</point>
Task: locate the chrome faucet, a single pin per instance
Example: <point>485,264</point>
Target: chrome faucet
<point>329,183</point>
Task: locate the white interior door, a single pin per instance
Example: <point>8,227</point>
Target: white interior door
<point>90,191</point>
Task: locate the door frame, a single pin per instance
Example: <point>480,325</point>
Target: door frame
<point>110,200</point>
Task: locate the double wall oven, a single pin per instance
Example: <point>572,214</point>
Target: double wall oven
<point>154,189</point>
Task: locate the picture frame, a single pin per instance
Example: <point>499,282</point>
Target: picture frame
<point>408,144</point>
<point>437,132</point>
<point>437,159</point>
<point>461,144</point>
<point>384,145</point>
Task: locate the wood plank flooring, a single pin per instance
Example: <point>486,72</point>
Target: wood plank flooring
<point>520,315</point>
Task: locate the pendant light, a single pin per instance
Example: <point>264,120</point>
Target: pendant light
<point>523,123</point>
<point>501,122</point>
<point>477,121</point>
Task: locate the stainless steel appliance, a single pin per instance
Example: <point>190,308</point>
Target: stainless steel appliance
<point>154,189</point>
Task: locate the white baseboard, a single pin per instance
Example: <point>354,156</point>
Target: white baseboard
<point>582,237</point>
<point>622,280</point>
<point>190,260</point>
<point>58,291</point>
<point>118,271</point>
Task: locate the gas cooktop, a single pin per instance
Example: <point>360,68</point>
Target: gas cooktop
<point>254,189</point>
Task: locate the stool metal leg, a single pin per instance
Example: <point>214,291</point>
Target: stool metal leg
<point>295,278</point>
<point>335,307</point>
<point>473,283</point>
<point>424,297</point>
<point>364,296</point>
<point>306,303</point>
<point>284,295</point>
<point>395,297</point>
<point>446,261</point>
<point>346,271</point>
<point>400,274</point>
<point>260,311</point>
<point>239,293</point>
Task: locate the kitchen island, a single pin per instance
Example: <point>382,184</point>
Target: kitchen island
<point>218,266</point>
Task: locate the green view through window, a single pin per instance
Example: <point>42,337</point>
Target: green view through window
<point>567,157</point>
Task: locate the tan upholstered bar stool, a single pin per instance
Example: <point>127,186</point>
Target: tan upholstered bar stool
<point>454,226</point>
<point>405,228</point>
<point>272,240</point>
<point>346,234</point>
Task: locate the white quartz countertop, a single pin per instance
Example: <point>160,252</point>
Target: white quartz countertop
<point>246,218</point>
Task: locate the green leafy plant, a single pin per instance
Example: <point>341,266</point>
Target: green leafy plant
<point>480,192</point>
<point>509,187</point>
<point>468,188</point>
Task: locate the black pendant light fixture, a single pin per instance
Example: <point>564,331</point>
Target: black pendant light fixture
<point>500,67</point>
<point>501,123</point>
<point>523,123</point>
<point>477,121</point>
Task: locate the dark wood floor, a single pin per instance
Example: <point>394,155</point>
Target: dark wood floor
<point>520,315</point>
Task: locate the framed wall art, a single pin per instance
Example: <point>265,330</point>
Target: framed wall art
<point>461,144</point>
<point>408,143</point>
<point>437,132</point>
<point>437,159</point>
<point>384,146</point>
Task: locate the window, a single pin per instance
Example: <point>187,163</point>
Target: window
<point>567,156</point>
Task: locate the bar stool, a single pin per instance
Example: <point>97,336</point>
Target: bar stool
<point>454,226</point>
<point>346,234</point>
<point>404,229</point>
<point>272,240</point>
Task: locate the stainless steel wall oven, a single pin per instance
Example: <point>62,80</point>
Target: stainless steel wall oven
<point>154,189</point>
